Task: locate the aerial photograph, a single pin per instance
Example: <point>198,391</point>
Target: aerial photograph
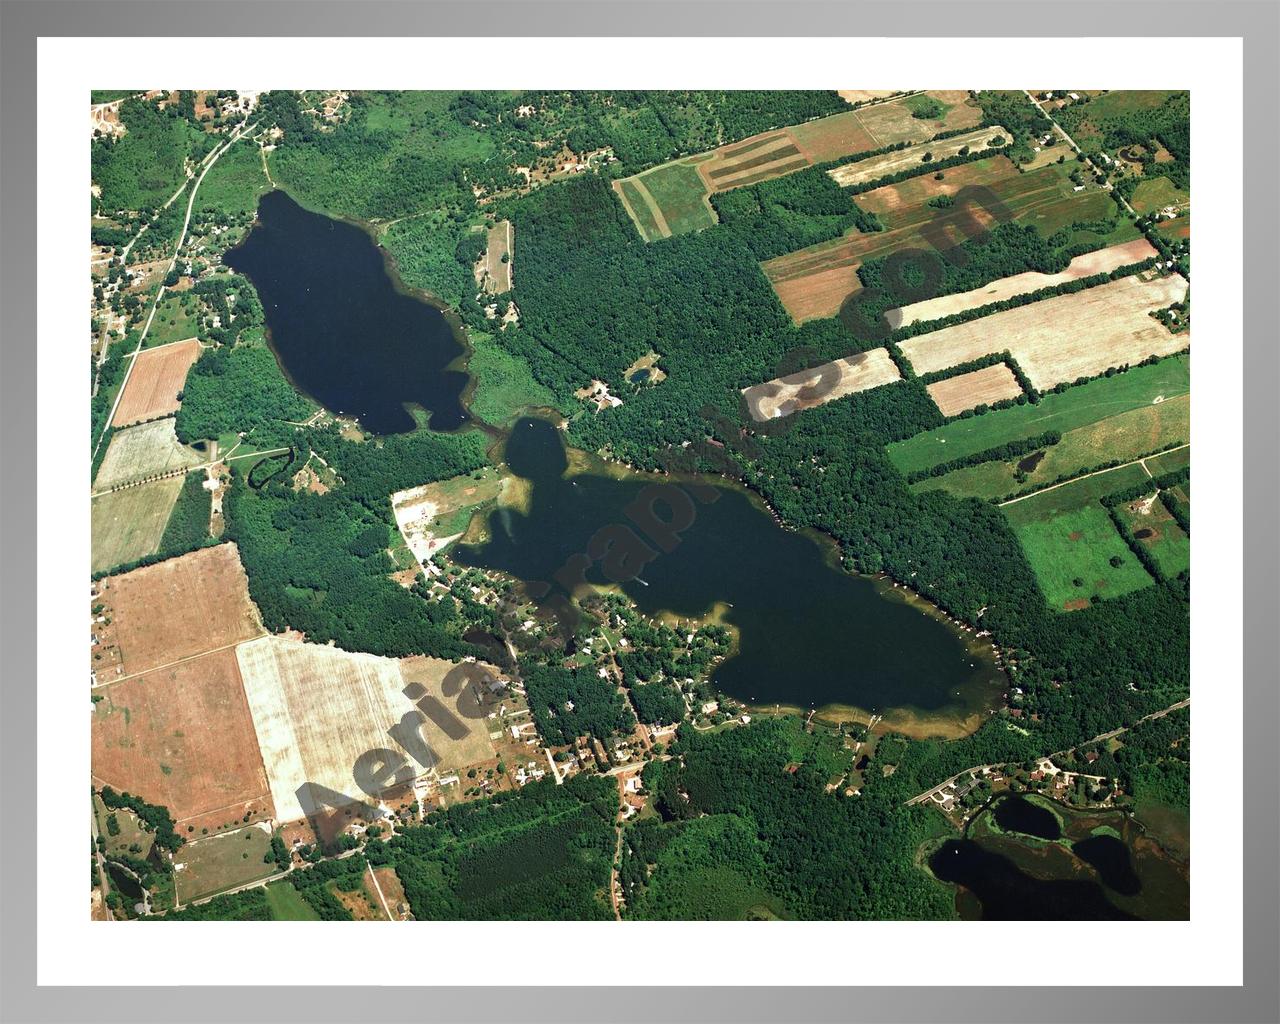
<point>640,505</point>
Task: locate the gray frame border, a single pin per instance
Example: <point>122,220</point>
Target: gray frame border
<point>1256,21</point>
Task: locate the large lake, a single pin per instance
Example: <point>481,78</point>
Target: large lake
<point>342,329</point>
<point>810,634</point>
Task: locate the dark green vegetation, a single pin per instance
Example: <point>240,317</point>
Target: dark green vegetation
<point>188,525</point>
<point>567,704</point>
<point>747,829</point>
<point>237,389</point>
<point>142,169</point>
<point>543,853</point>
<point>319,562</point>
<point>1136,124</point>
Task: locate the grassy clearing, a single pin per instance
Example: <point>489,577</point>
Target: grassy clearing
<point>122,830</point>
<point>175,319</point>
<point>504,383</point>
<point>1074,408</point>
<point>679,191</point>
<point>235,182</point>
<point>1169,462</point>
<point>1157,193</point>
<point>127,525</point>
<point>287,905</point>
<point>1072,553</point>
<point>1074,495</point>
<point>1128,435</point>
<point>1156,530</point>
<point>639,211</point>
<point>221,862</point>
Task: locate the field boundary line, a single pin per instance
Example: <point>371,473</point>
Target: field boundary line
<point>1096,472</point>
<point>179,661</point>
<point>647,198</point>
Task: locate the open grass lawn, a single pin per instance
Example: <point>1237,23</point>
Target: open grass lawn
<point>127,525</point>
<point>680,193</point>
<point>1157,193</point>
<point>1125,436</point>
<point>222,862</point>
<point>504,383</point>
<point>1170,461</point>
<point>1076,407</point>
<point>1071,555</point>
<point>287,905</point>
<point>175,319</point>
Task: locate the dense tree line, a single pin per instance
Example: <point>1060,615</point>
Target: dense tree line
<point>155,817</point>
<point>188,525</point>
<point>540,853</point>
<point>238,389</point>
<point>1000,453</point>
<point>246,905</point>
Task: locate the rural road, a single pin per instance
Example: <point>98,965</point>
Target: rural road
<point>1101,737</point>
<point>1097,472</point>
<point>209,161</point>
<point>1072,143</point>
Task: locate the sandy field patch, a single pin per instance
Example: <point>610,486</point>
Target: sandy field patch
<point>157,376</point>
<point>862,171</point>
<point>862,95</point>
<point>178,608</point>
<point>147,450</point>
<point>494,272</point>
<point>318,710</point>
<point>1064,337</point>
<point>967,391</point>
<point>810,388</point>
<point>181,736</point>
<point>1100,261</point>
<point>128,524</point>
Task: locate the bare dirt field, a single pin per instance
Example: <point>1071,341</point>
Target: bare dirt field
<point>862,171</point>
<point>495,276</point>
<point>1100,261</point>
<point>128,524</point>
<point>178,608</point>
<point>181,736</point>
<point>815,281</point>
<point>862,95</point>
<point>147,450</point>
<point>810,388</point>
<point>318,709</point>
<point>968,390</point>
<point>157,376</point>
<point>1064,337</point>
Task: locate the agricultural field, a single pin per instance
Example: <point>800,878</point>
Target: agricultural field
<point>181,736</point>
<point>1169,462</point>
<point>1063,338</point>
<point>207,866</point>
<point>1082,406</point>
<point>815,282</point>
<point>810,388</point>
<point>964,391</point>
<point>673,199</point>
<point>1070,541</point>
<point>128,524</point>
<point>1156,530</point>
<point>155,382</point>
<point>1100,261</point>
<point>146,450</point>
<point>873,168</point>
<point>1123,437</point>
<point>176,609</point>
<point>318,710</point>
